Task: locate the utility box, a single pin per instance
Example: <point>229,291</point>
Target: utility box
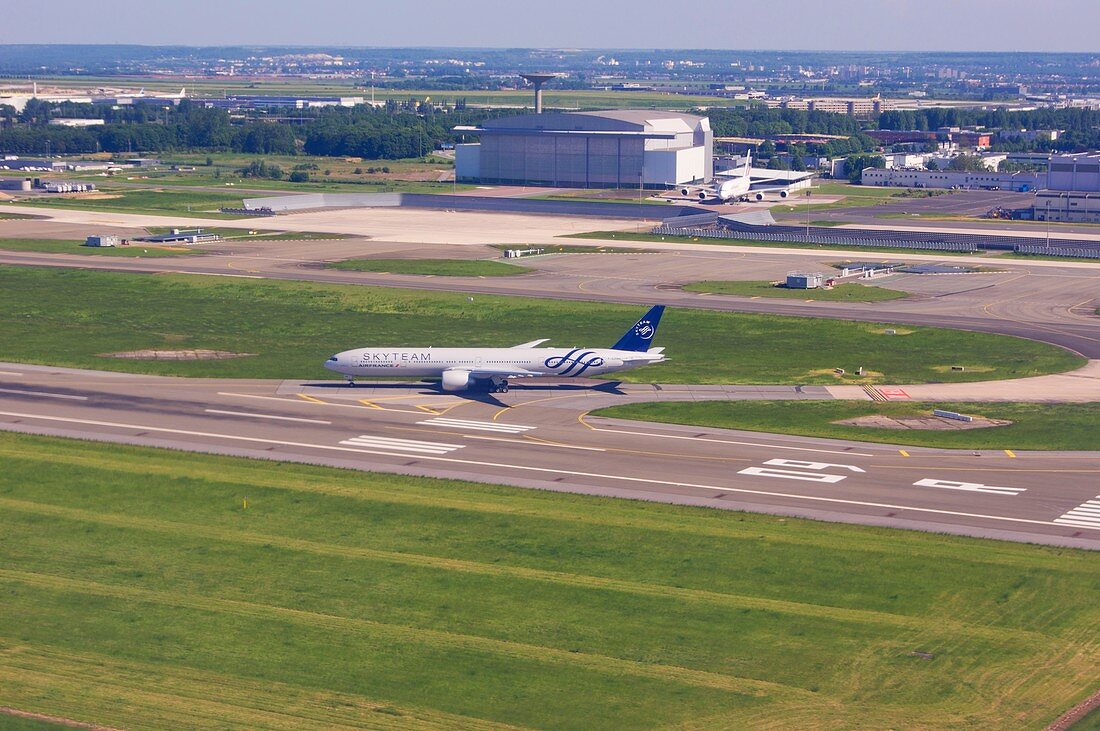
<point>804,280</point>
<point>101,241</point>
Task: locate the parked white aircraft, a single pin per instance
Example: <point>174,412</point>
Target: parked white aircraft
<point>461,369</point>
<point>735,187</point>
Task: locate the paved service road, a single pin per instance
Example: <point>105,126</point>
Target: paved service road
<point>538,436</point>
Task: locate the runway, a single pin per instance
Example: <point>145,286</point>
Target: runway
<point>538,436</point>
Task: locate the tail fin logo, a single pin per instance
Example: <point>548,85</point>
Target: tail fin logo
<point>644,330</point>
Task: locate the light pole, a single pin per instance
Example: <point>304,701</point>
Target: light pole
<point>1048,224</point>
<point>808,194</point>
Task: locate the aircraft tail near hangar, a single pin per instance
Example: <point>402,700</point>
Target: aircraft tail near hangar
<point>640,334</point>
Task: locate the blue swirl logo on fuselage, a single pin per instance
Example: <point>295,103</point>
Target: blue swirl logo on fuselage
<point>574,363</point>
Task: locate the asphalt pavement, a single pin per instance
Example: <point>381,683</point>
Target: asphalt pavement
<point>540,436</point>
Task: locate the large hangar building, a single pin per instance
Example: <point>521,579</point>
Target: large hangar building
<point>612,149</point>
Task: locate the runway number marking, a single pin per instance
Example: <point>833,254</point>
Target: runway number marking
<point>969,486</point>
<point>799,471</point>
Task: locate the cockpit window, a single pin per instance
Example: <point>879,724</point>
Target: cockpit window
<point>333,359</point>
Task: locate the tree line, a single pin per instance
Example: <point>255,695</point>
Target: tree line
<point>413,129</point>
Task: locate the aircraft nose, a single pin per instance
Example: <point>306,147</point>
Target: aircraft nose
<point>333,363</point>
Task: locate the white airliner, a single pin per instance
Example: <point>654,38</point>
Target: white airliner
<point>461,369</point>
<point>733,188</point>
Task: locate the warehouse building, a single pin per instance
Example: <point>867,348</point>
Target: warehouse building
<point>1073,193</point>
<point>986,180</point>
<point>608,149</point>
<point>1078,171</point>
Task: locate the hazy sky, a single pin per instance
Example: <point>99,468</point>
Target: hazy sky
<point>923,25</point>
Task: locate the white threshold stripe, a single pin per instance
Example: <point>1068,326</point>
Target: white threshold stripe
<point>533,443</point>
<point>1080,523</point>
<point>44,394</point>
<point>417,442</point>
<point>550,470</point>
<point>471,422</point>
<point>1084,511</point>
<point>266,416</point>
<point>416,450</point>
<point>499,429</point>
<point>727,441</point>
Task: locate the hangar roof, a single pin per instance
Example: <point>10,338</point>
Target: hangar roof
<point>642,122</point>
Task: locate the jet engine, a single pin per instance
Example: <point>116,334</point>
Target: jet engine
<point>783,193</point>
<point>759,196</point>
<point>456,380</point>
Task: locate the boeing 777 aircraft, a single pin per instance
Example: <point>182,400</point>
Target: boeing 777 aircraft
<point>472,368</point>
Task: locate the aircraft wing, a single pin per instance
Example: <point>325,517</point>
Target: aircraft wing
<point>532,344</point>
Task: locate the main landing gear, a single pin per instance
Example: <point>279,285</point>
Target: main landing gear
<point>498,386</point>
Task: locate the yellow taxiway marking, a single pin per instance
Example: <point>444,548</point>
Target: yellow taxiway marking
<point>367,402</point>
<point>307,397</point>
<point>426,409</point>
<point>1010,453</point>
<point>535,401</point>
<point>903,453</point>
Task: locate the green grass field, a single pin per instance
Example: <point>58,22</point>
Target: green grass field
<point>5,216</point>
<point>154,589</point>
<point>432,267</point>
<point>1034,426</point>
<point>198,204</point>
<point>56,246</point>
<point>72,317</point>
<point>850,292</point>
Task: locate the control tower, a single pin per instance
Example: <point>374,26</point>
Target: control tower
<point>537,80</point>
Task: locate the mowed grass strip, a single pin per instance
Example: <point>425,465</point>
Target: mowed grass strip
<point>359,594</point>
<point>200,204</point>
<point>1038,426</point>
<point>432,267</point>
<point>73,318</point>
<point>55,246</point>
<point>848,292</point>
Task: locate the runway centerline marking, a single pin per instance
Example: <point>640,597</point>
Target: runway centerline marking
<point>266,416</point>
<point>43,394</point>
<point>550,470</point>
<point>728,441</point>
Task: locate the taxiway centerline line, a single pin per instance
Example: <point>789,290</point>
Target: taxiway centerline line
<point>550,470</point>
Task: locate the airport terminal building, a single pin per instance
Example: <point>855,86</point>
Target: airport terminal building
<point>627,148</point>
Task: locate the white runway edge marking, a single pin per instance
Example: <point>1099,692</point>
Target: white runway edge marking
<point>550,470</point>
<point>44,394</point>
<point>266,416</point>
<point>405,445</point>
<point>1085,515</point>
<point>477,425</point>
<point>9,373</point>
<point>727,441</point>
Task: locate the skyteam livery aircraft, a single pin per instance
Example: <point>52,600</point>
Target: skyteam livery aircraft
<point>490,368</point>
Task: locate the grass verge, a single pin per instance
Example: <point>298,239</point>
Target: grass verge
<point>56,246</point>
<point>72,317</point>
<point>432,267</point>
<point>850,292</point>
<point>1034,426</point>
<point>195,204</point>
<point>141,589</point>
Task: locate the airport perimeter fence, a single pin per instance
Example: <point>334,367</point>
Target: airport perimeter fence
<point>1082,252</point>
<point>803,238</point>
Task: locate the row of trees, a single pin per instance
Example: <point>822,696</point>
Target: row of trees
<point>1082,126</point>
